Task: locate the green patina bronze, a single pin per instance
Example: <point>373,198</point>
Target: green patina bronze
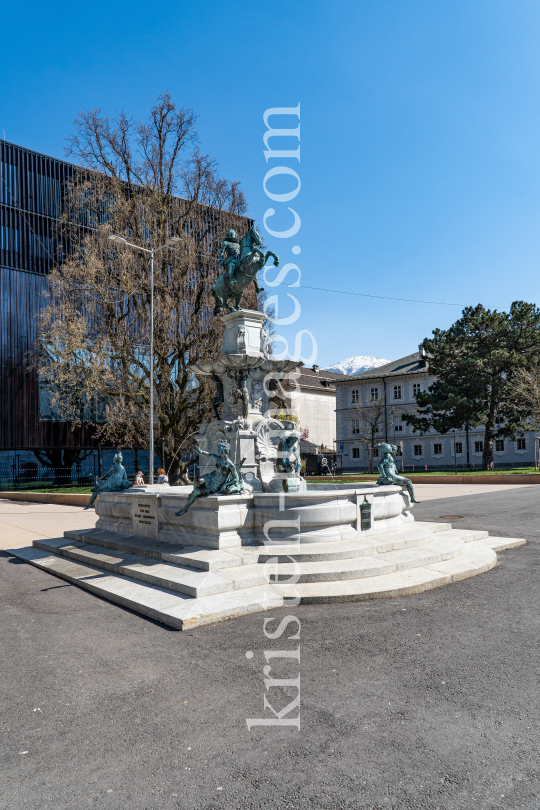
<point>241,393</point>
<point>114,480</point>
<point>242,260</point>
<point>220,396</point>
<point>288,460</point>
<point>365,515</point>
<point>226,479</point>
<point>388,473</point>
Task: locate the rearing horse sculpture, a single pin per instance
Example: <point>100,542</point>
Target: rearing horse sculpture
<point>251,260</point>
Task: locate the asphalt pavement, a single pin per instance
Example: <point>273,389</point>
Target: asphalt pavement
<point>427,701</point>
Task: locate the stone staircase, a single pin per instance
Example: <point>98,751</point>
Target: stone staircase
<point>186,586</point>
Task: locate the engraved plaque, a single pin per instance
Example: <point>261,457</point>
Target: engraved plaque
<point>144,516</point>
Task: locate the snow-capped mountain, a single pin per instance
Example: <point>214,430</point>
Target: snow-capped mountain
<point>356,365</point>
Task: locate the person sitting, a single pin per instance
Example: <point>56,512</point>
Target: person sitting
<point>163,478</point>
<point>139,479</point>
<point>183,468</point>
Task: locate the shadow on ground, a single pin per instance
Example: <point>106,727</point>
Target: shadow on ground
<point>428,701</point>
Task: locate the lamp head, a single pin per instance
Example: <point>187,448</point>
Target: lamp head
<point>173,241</point>
<point>115,238</point>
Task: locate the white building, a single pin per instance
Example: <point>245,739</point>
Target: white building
<point>314,402</point>
<point>395,386</point>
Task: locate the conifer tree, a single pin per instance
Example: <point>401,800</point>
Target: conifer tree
<point>476,362</point>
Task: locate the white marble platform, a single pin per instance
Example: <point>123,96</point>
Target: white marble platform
<point>186,585</point>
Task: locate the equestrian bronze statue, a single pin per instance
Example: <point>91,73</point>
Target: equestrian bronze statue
<point>242,260</point>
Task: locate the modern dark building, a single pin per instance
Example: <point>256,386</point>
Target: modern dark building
<point>34,444</point>
<point>31,194</point>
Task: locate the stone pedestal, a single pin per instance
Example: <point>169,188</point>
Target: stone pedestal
<point>246,422</point>
<point>233,521</point>
<point>244,333</point>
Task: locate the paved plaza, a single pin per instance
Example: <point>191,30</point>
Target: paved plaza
<point>427,701</point>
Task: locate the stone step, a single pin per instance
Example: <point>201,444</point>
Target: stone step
<point>190,581</point>
<point>467,535</point>
<point>502,543</point>
<point>163,605</point>
<point>415,535</point>
<point>476,559</point>
<point>435,526</point>
<point>442,547</point>
<point>366,566</point>
<point>217,559</point>
<point>194,556</point>
<point>131,543</point>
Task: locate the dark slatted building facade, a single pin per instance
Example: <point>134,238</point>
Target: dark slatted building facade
<point>32,444</point>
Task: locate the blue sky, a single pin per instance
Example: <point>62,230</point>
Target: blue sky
<point>420,136</point>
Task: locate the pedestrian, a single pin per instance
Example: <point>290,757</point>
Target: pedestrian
<point>324,469</point>
<point>139,479</point>
<point>183,470</point>
<point>163,478</point>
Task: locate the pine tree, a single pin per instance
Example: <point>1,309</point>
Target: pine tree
<point>476,362</point>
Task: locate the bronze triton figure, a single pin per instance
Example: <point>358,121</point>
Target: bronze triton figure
<point>241,392</point>
<point>226,479</point>
<point>220,396</point>
<point>388,473</point>
<point>288,460</point>
<point>114,480</point>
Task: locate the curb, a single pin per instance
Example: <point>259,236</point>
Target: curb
<point>502,478</point>
<point>65,498</point>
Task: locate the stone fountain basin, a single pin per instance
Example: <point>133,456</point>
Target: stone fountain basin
<point>323,486</point>
<point>224,521</point>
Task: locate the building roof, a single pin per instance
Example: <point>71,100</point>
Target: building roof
<point>322,380</point>
<point>411,364</point>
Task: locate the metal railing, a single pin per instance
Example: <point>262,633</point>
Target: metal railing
<point>36,477</point>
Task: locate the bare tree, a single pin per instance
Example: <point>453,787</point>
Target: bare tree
<point>61,460</point>
<point>369,424</point>
<point>146,181</point>
<point>527,392</point>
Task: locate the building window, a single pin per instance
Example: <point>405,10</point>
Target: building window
<point>9,239</point>
<point>479,447</point>
<point>376,451</point>
<point>398,427</point>
<point>354,395</point>
<point>417,449</point>
<point>499,445</point>
<point>355,426</point>
<point>356,452</point>
<point>437,449</point>
<point>374,394</point>
<point>397,391</point>
<point>521,444</point>
<point>417,387</point>
<point>459,447</point>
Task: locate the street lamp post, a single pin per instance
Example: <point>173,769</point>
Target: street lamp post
<point>173,241</point>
